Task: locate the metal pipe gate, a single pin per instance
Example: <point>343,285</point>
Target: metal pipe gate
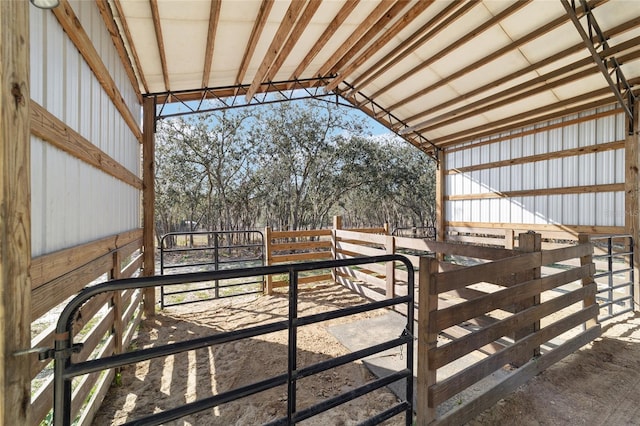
<point>211,257</point>
<point>65,370</point>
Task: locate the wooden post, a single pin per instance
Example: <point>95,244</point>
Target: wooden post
<point>528,242</point>
<point>631,200</point>
<point>148,201</point>
<point>427,339</point>
<point>587,260</point>
<point>440,193</point>
<point>116,303</point>
<point>337,224</point>
<point>390,273</point>
<point>509,239</point>
<point>15,213</point>
<point>268,259</point>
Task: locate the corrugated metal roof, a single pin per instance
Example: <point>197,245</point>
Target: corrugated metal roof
<point>440,71</point>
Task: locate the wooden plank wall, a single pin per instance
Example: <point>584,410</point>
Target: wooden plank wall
<point>106,324</point>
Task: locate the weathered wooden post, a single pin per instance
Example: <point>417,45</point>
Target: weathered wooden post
<point>427,340</point>
<point>528,242</point>
<point>587,260</point>
<point>390,273</point>
<point>148,201</point>
<point>15,213</point>
<point>337,225</point>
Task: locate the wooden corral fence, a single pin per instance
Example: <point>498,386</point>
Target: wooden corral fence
<point>107,324</point>
<point>514,322</point>
<point>303,246</point>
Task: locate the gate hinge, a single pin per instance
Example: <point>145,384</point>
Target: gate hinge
<point>50,353</point>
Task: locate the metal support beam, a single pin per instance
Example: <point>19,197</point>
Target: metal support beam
<point>386,118</point>
<point>230,97</point>
<point>608,66</point>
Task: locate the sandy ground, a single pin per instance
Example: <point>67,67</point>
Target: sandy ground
<point>599,385</point>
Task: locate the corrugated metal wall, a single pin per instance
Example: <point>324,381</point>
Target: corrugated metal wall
<point>593,209</point>
<point>72,202</point>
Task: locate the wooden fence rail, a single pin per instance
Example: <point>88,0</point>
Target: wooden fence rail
<point>535,321</point>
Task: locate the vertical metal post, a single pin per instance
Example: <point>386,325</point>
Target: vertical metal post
<point>632,272</point>
<point>162,271</point>
<point>216,261</point>
<point>61,385</point>
<point>610,275</point>
<point>293,345</point>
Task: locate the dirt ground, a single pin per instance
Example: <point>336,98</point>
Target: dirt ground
<point>599,385</point>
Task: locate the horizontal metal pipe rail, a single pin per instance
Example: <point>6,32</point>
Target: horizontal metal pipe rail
<point>65,370</point>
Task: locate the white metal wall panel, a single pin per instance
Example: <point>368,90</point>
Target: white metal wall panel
<point>591,209</point>
<point>73,202</point>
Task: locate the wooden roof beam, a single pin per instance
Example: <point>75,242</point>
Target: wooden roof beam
<point>293,38</point>
<point>498,53</point>
<point>367,38</point>
<point>462,40</point>
<point>398,26</point>
<point>256,32</point>
<point>131,47</point>
<point>71,25</point>
<point>541,83</point>
<point>357,34</point>
<point>513,76</point>
<point>110,24</point>
<point>155,14</point>
<point>575,104</point>
<point>340,17</point>
<point>290,17</point>
<point>449,14</point>
<point>214,17</point>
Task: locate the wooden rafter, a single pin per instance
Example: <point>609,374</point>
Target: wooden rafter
<point>155,14</point>
<point>342,14</point>
<point>70,23</point>
<point>214,16</point>
<point>293,38</point>
<point>291,16</point>
<point>555,78</point>
<point>462,40</point>
<point>573,105</point>
<point>130,45</point>
<point>417,39</point>
<point>364,26</point>
<point>256,32</point>
<point>487,59</point>
<point>398,26</point>
<point>371,34</point>
<point>109,22</point>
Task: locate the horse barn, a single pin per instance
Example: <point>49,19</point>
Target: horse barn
<point>528,107</point>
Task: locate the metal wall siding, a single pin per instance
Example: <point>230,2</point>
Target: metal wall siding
<point>601,168</point>
<point>36,53</point>
<point>73,202</point>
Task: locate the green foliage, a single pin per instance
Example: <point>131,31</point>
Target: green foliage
<point>289,166</point>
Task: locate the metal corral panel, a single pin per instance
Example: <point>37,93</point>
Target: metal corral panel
<point>73,202</point>
<point>584,170</point>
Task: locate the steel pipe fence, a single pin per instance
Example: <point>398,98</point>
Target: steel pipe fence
<point>65,370</point>
<point>615,283</point>
<point>244,248</point>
